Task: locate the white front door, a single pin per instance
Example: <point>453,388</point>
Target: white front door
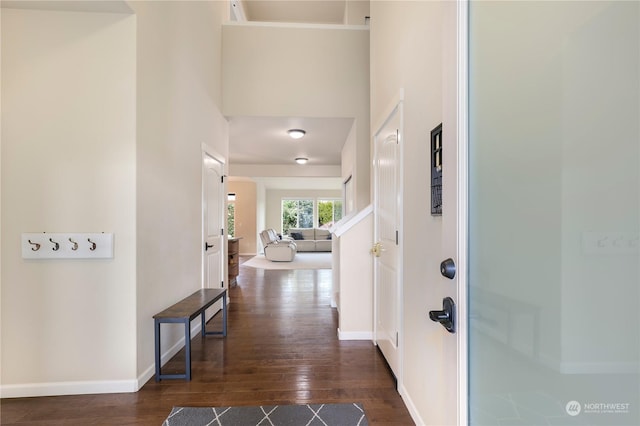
<point>386,237</point>
<point>213,202</point>
<point>445,357</point>
<point>554,213</point>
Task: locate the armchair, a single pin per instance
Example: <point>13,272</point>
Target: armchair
<point>275,249</point>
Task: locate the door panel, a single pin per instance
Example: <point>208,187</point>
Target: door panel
<point>214,200</point>
<point>387,330</point>
<point>554,213</point>
<point>386,228</point>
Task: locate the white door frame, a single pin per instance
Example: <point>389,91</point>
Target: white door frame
<point>396,103</point>
<point>462,106</point>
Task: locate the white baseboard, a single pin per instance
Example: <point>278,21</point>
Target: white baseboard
<point>355,335</point>
<point>95,386</point>
<point>68,388</point>
<point>411,407</point>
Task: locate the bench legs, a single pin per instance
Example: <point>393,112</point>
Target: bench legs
<point>224,320</point>
<point>187,340</point>
<point>157,332</point>
<point>187,349</point>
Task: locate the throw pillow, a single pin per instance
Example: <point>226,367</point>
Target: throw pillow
<point>296,235</point>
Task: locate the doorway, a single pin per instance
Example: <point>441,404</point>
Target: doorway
<point>213,221</point>
<point>386,249</point>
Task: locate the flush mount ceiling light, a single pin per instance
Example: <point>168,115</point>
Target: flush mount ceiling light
<point>296,133</point>
<point>302,160</point>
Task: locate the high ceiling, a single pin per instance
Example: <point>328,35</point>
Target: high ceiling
<point>263,140</point>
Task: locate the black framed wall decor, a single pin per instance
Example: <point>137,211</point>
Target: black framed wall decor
<point>436,171</point>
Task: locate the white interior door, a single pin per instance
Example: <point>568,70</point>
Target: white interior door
<point>386,235</point>
<point>213,204</point>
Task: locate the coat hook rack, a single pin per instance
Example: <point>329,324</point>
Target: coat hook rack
<point>56,246</point>
<point>67,245</point>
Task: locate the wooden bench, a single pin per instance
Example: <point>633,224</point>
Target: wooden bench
<point>183,312</point>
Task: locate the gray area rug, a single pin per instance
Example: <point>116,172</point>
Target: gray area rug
<point>270,415</point>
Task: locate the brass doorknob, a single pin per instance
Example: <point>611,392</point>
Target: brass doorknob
<point>377,249</point>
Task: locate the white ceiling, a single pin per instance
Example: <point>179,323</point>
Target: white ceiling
<point>264,140</point>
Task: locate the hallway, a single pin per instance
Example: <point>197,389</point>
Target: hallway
<point>281,349</point>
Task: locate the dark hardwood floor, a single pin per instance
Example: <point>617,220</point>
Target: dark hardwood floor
<point>281,349</point>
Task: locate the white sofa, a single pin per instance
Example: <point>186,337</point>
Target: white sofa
<point>311,239</point>
<point>275,249</point>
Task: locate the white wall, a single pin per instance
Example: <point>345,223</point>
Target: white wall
<point>68,165</point>
<point>179,93</point>
<point>261,213</point>
<point>308,71</point>
<point>104,117</point>
<point>245,214</point>
<point>353,277</point>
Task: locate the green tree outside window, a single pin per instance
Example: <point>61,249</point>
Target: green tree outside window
<point>231,219</point>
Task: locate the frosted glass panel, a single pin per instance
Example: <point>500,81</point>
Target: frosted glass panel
<point>554,296</point>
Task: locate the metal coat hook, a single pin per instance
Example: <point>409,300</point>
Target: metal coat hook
<point>75,245</point>
<point>56,246</point>
<point>93,245</point>
<point>35,247</point>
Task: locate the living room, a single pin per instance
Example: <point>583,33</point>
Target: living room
<point>252,216</point>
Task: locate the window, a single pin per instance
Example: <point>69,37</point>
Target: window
<point>231,214</point>
<point>305,213</point>
<point>297,214</point>
<point>329,212</point>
